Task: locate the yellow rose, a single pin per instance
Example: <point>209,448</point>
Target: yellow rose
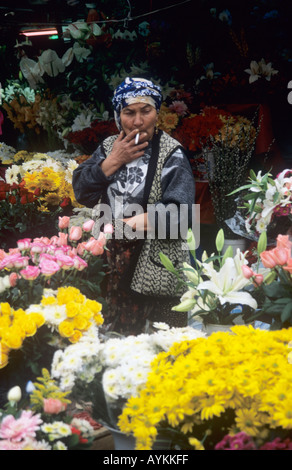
<point>4,352</point>
<point>93,305</point>
<point>66,329</point>
<point>72,309</point>
<point>80,322</point>
<point>13,337</point>
<point>98,318</point>
<point>75,337</point>
<point>38,318</point>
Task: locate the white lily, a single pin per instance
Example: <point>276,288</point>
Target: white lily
<point>228,282</point>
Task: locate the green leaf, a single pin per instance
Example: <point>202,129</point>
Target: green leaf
<point>287,312</point>
<point>250,196</point>
<point>252,174</point>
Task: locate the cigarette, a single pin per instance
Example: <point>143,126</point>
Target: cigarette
<point>137,138</point>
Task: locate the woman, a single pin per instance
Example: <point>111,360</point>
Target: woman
<point>149,169</point>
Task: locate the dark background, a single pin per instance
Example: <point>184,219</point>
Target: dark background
<point>183,38</point>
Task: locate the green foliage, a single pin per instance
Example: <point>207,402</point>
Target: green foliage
<point>277,303</point>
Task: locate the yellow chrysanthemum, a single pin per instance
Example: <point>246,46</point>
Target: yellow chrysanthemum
<point>5,308</point>
<point>31,181</point>
<point>196,444</point>
<point>242,378</point>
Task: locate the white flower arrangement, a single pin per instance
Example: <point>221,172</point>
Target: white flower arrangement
<point>124,362</point>
<point>77,360</point>
<point>266,199</point>
<point>15,173</point>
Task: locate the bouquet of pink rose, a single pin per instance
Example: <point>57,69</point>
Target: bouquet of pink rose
<point>40,420</point>
<point>71,258</point>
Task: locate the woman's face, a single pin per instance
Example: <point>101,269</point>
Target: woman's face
<point>141,116</point>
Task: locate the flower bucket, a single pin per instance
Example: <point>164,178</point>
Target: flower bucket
<point>122,441</point>
<point>240,243</point>
<point>210,328</point>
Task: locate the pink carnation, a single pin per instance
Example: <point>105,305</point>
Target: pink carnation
<point>16,430</point>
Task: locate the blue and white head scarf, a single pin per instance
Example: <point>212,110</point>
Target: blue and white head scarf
<point>135,90</point>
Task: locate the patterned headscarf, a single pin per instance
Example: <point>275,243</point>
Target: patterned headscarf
<point>135,90</point>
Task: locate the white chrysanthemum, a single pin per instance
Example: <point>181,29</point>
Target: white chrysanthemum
<point>56,430</point>
<point>67,382</point>
<point>164,340</point>
<point>54,314</point>
<point>111,384</point>
<point>72,362</point>
<point>12,174</point>
<point>59,445</point>
<point>72,165</point>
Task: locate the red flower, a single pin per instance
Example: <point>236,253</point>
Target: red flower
<point>82,440</point>
<point>12,199</point>
<point>194,131</point>
<point>96,133</point>
<point>27,198</point>
<point>66,202</point>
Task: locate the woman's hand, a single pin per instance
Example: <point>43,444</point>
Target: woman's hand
<point>124,151</point>
<point>139,222</point>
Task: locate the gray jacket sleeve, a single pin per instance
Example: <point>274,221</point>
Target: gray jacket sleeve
<point>89,181</point>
